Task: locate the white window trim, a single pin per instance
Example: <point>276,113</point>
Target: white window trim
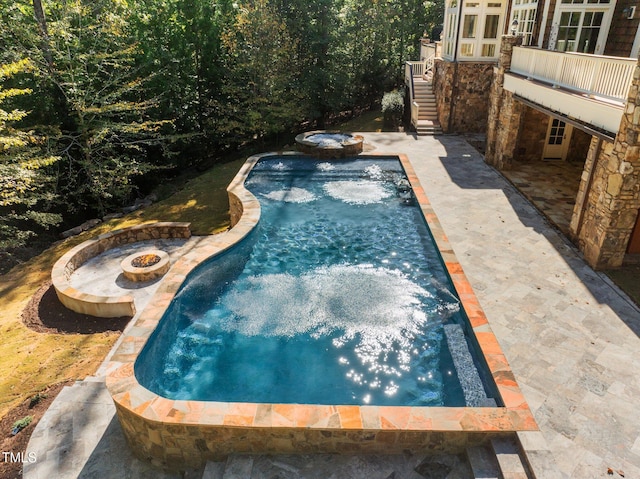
<point>525,7</point>
<point>635,49</point>
<point>607,8</point>
<point>482,11</point>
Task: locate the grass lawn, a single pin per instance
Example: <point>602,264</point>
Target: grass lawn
<point>31,361</point>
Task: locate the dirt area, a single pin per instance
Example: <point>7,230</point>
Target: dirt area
<point>13,447</point>
<point>45,314</point>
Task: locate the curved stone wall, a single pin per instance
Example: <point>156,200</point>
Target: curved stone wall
<point>353,147</point>
<point>106,306</point>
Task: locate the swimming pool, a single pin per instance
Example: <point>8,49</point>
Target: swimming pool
<point>339,296</point>
<point>180,432</point>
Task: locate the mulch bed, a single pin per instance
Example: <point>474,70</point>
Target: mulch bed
<point>46,314</point>
<point>11,465</point>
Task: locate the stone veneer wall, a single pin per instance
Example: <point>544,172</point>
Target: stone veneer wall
<point>462,95</point>
<point>578,146</point>
<point>532,136</point>
<point>505,113</point>
<point>609,194</point>
<point>106,306</point>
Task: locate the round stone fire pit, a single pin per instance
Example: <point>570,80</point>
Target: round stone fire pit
<point>329,144</point>
<point>145,265</point>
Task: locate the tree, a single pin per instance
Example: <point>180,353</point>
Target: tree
<point>260,93</point>
<point>107,128</point>
<point>26,183</point>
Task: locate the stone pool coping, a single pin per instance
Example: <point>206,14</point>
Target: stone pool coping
<point>177,434</point>
<point>106,306</point>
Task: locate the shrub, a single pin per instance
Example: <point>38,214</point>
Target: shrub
<point>20,424</point>
<point>392,107</point>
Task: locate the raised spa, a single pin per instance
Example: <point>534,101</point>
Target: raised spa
<point>330,144</point>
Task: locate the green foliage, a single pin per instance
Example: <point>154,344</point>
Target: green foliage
<point>393,107</point>
<point>35,400</point>
<point>108,126</point>
<point>26,192</point>
<point>116,86</point>
<point>20,424</point>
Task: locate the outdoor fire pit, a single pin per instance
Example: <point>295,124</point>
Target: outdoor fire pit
<point>329,144</point>
<point>145,265</point>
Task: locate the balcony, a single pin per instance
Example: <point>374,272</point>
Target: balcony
<point>590,88</point>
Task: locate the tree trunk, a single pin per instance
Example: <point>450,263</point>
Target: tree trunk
<point>44,33</point>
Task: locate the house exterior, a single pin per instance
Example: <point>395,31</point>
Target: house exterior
<point>553,80</point>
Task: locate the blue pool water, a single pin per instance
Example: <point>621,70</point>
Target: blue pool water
<point>339,296</point>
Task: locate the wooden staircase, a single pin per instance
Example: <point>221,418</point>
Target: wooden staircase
<point>424,114</point>
<point>427,122</point>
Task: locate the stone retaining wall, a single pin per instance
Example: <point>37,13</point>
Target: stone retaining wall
<point>106,306</point>
<point>462,95</point>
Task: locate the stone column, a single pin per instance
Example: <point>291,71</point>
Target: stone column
<point>505,113</point>
<point>610,188</point>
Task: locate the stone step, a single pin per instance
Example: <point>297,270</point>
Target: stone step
<point>238,467</point>
<point>539,458</point>
<point>315,466</point>
<point>214,470</point>
<point>510,459</point>
<point>483,462</point>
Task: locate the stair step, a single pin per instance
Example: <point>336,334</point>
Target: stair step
<point>483,463</point>
<point>509,458</point>
<point>238,467</point>
<point>213,470</point>
<point>540,460</point>
<point>307,466</point>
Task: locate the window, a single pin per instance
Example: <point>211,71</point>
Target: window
<point>588,1</point>
<point>491,26</point>
<point>524,11</point>
<point>475,34</point>
<point>578,31</point>
<point>469,27</point>
<point>466,50</point>
<point>449,36</point>
<point>590,30</point>
<point>489,50</point>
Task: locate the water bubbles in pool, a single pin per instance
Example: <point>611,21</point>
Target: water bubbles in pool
<point>360,192</point>
<point>280,166</point>
<point>374,172</point>
<point>291,195</point>
<point>377,311</point>
<point>326,166</point>
<point>329,140</point>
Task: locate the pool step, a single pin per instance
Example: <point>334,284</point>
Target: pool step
<point>483,462</point>
<point>511,460</point>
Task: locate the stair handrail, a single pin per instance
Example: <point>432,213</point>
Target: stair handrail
<point>428,65</point>
<point>408,78</point>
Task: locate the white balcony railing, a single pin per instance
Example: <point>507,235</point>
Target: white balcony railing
<point>593,75</point>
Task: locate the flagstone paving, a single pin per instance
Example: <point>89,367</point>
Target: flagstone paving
<point>570,336</point>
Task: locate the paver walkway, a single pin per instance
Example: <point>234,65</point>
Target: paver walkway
<point>570,336</point>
